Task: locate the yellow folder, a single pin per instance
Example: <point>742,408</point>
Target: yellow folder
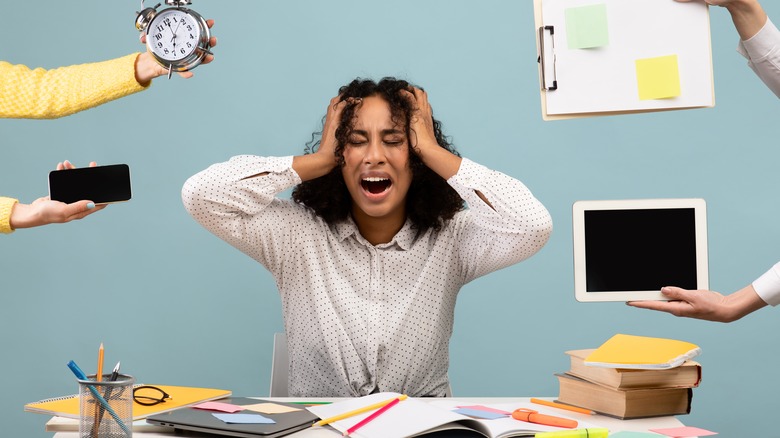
<point>642,352</point>
<point>68,406</point>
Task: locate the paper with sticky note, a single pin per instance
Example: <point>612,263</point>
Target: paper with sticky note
<point>244,419</point>
<point>683,432</point>
<point>269,408</point>
<point>486,408</point>
<point>658,78</point>
<point>219,406</point>
<point>586,26</point>
<point>479,413</point>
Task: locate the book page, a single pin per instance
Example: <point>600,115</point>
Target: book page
<point>508,426</point>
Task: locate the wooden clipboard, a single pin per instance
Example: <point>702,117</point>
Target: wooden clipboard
<point>563,71</point>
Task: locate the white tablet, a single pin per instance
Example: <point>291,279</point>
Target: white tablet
<point>627,250</point>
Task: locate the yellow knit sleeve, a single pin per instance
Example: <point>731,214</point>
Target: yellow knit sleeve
<point>49,94</point>
<point>6,205</point>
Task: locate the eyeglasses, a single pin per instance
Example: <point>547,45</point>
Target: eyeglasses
<point>149,395</point>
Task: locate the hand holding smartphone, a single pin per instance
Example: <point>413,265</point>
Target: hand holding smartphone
<point>99,184</point>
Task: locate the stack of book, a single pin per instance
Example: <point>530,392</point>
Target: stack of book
<point>660,390</point>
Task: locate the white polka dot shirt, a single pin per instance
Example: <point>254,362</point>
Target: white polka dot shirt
<point>361,318</point>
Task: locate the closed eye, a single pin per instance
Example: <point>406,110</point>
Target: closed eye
<point>357,141</point>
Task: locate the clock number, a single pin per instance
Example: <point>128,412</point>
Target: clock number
<point>189,28</point>
<point>160,28</point>
<point>159,44</point>
<point>189,44</point>
<point>183,51</point>
<point>158,36</point>
<point>166,51</point>
<point>167,22</point>
<point>192,37</point>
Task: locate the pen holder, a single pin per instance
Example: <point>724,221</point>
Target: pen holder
<point>106,407</point>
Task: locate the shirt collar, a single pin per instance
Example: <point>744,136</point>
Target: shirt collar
<point>404,238</point>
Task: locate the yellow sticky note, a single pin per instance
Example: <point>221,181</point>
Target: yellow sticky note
<point>658,78</point>
<point>269,408</point>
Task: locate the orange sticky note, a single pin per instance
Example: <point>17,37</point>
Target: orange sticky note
<point>658,78</point>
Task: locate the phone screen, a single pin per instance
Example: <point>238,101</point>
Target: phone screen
<point>101,184</point>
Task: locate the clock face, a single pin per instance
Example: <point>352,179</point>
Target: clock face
<point>173,35</point>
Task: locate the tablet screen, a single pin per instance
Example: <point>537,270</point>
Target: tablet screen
<point>629,250</point>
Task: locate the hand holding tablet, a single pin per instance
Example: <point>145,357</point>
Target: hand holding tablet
<point>627,250</point>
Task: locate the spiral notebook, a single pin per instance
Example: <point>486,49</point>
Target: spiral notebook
<point>68,406</point>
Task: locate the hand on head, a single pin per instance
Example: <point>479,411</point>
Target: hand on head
<point>328,142</point>
<point>422,129</point>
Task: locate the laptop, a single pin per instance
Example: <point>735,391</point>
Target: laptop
<point>199,420</point>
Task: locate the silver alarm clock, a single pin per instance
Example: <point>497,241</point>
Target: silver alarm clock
<point>177,37</point>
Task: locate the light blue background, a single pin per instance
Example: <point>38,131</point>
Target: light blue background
<point>178,306</point>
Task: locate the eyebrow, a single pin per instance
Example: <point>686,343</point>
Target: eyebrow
<point>383,132</point>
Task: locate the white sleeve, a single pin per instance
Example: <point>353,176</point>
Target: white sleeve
<point>767,286</point>
<point>512,228</point>
<point>236,201</point>
<point>763,54</point>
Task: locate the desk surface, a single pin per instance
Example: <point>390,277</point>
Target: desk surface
<point>613,424</point>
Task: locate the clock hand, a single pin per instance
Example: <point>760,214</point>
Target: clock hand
<point>175,32</point>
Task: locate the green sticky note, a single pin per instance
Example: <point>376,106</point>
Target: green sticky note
<point>658,78</point>
<point>586,26</point>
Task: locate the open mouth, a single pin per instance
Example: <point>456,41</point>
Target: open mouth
<point>375,185</point>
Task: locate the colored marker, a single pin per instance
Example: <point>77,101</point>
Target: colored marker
<point>591,432</point>
<point>552,404</point>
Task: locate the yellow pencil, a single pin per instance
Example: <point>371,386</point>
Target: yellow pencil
<point>357,411</point>
<point>561,406</point>
<point>99,375</point>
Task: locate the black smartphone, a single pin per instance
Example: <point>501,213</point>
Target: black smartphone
<point>100,184</point>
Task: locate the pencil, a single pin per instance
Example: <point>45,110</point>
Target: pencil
<point>561,406</point>
<point>99,375</point>
<point>371,417</point>
<point>358,411</point>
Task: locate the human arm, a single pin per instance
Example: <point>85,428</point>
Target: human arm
<point>233,200</point>
<point>705,304</point>
<point>759,38</point>
<point>43,211</point>
<point>50,94</point>
<point>504,224</point>
<point>712,306</point>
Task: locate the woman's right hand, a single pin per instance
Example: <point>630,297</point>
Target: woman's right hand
<point>328,142</point>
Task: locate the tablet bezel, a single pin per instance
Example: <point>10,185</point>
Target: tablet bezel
<point>578,222</point>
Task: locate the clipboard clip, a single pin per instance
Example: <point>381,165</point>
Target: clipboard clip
<point>546,58</point>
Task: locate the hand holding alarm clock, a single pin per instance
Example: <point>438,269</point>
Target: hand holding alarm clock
<point>178,38</point>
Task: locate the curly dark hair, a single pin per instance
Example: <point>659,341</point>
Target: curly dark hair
<point>430,201</point>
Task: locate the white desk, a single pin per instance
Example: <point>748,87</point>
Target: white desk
<point>613,424</point>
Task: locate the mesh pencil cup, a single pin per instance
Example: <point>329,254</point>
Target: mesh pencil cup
<point>106,407</point>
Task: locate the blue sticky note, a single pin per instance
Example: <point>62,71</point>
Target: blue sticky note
<point>244,419</point>
<point>478,413</point>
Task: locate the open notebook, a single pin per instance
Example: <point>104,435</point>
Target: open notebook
<point>416,418</point>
